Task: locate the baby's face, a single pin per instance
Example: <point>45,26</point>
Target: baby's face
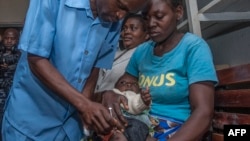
<point>127,84</point>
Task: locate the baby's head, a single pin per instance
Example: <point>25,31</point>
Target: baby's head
<point>127,83</point>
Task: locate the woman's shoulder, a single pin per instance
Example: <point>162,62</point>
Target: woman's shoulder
<point>192,41</point>
<point>145,45</point>
<point>190,38</point>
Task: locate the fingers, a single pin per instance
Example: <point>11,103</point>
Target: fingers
<point>113,100</point>
<point>98,118</point>
<point>118,115</point>
<point>112,121</point>
<point>101,126</point>
<point>124,102</point>
<point>108,121</point>
<point>144,90</point>
<point>146,97</point>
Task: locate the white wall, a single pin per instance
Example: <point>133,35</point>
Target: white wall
<point>232,48</point>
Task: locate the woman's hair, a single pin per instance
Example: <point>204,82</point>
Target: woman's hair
<point>135,16</point>
<point>175,3</point>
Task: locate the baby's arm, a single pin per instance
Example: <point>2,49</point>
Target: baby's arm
<point>146,97</point>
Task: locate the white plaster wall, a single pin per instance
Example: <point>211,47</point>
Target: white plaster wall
<point>232,48</point>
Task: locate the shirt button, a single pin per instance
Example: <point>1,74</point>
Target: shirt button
<point>79,80</point>
<point>86,52</point>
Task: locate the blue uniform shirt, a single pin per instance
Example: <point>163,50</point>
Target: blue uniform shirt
<point>65,32</point>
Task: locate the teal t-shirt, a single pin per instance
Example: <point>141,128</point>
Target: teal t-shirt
<point>169,76</point>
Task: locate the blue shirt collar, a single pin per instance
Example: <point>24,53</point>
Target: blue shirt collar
<point>82,4</point>
<point>78,4</point>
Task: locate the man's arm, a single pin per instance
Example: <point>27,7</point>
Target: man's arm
<point>90,85</point>
<point>89,88</point>
<point>48,74</point>
<point>92,114</point>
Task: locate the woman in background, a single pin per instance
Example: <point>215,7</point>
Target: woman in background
<point>133,33</point>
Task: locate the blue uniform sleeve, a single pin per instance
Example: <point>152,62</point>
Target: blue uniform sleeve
<point>199,61</point>
<point>39,28</point>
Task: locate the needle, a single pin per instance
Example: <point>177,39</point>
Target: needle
<point>110,111</point>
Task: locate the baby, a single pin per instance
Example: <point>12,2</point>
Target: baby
<point>137,115</point>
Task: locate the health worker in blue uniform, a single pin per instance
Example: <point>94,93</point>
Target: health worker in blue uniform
<point>63,44</point>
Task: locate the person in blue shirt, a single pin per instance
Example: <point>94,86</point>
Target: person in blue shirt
<point>178,69</point>
<point>63,45</point>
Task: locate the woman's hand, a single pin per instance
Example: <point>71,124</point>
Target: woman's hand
<point>112,101</point>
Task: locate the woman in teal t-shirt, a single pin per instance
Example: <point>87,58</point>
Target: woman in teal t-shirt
<point>179,71</point>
